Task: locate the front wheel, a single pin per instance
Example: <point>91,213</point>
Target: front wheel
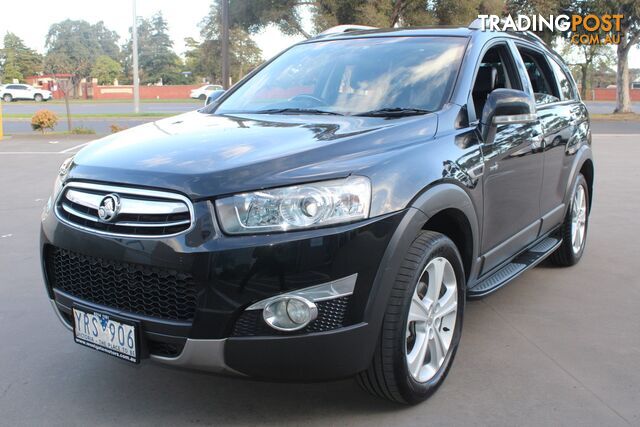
<point>575,226</point>
<point>38,97</point>
<point>7,97</point>
<point>422,323</point>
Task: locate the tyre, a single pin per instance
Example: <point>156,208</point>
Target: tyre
<point>7,97</point>
<point>422,323</point>
<point>37,97</point>
<point>575,226</point>
<point>202,97</point>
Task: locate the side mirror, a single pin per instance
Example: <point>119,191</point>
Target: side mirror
<point>213,96</point>
<point>507,106</point>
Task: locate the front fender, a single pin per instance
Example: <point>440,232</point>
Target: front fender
<point>422,208</point>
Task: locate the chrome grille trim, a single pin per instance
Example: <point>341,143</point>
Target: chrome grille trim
<point>77,196</point>
<point>129,206</point>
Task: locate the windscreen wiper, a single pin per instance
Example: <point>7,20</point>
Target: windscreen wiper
<point>295,111</point>
<point>394,112</point>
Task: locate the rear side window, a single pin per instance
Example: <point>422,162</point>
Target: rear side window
<point>541,77</point>
<point>567,91</point>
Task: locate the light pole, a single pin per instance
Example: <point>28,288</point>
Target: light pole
<point>225,44</point>
<point>136,77</point>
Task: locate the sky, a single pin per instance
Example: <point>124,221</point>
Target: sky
<point>31,22</point>
<point>183,17</point>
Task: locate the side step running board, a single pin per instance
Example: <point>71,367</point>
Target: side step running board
<point>526,260</point>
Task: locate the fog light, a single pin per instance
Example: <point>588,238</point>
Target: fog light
<point>289,313</point>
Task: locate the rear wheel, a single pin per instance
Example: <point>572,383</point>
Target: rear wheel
<point>422,324</point>
<point>38,97</point>
<point>7,97</point>
<point>575,226</point>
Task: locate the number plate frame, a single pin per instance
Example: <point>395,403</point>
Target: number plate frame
<point>111,317</point>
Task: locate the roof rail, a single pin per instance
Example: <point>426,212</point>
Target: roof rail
<point>476,24</point>
<point>338,29</point>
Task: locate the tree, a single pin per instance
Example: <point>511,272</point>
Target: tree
<point>17,60</point>
<point>589,55</point>
<point>539,7</point>
<point>254,15</point>
<point>204,59</point>
<point>375,13</point>
<point>158,62</point>
<point>73,47</point>
<point>106,70</point>
<point>460,12</point>
<point>630,32</point>
<point>586,59</point>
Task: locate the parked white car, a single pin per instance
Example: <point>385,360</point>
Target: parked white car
<point>204,91</point>
<point>14,92</point>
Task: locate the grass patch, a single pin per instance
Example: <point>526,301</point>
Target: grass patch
<point>82,131</point>
<point>626,117</point>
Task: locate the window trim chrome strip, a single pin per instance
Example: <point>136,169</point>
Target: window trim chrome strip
<point>124,191</point>
<point>327,291</point>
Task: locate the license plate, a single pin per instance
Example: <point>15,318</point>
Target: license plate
<point>107,334</point>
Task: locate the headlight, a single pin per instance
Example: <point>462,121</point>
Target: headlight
<point>61,177</point>
<point>57,185</point>
<point>297,207</point>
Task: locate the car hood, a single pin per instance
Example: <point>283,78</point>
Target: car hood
<point>204,155</point>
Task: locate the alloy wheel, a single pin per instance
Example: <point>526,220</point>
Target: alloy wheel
<point>431,319</point>
<point>578,219</point>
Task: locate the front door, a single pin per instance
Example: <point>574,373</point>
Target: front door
<point>513,167</point>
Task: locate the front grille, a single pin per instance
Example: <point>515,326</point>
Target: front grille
<point>131,212</point>
<point>331,315</point>
<point>133,288</point>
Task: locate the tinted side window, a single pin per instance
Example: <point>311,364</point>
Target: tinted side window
<point>14,87</point>
<point>566,88</point>
<point>496,71</point>
<point>541,77</point>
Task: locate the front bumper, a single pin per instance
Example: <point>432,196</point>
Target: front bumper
<point>230,274</point>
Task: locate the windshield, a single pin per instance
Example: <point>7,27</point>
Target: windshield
<point>353,76</point>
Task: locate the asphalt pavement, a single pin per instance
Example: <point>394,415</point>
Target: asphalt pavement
<point>558,346</point>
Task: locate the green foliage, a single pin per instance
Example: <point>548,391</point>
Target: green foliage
<point>156,58</point>
<point>254,15</point>
<point>43,120</point>
<point>10,72</point>
<point>106,70</point>
<point>82,131</point>
<point>17,60</point>
<point>73,47</point>
<point>460,12</point>
<point>115,128</point>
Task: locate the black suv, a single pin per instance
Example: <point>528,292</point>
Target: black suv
<point>329,215</point>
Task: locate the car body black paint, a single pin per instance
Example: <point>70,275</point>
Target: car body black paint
<point>419,166</point>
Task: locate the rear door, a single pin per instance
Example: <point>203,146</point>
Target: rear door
<point>564,121</point>
<point>513,166</point>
